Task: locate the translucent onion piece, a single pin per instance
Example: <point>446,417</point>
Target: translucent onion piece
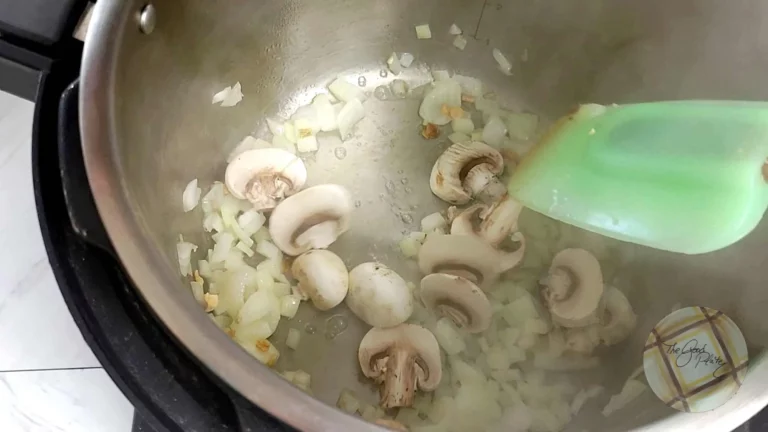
<point>454,30</point>
<point>307,144</point>
<point>432,222</point>
<point>448,337</point>
<point>184,252</point>
<point>326,114</point>
<point>349,116</point>
<point>348,402</point>
<point>345,91</point>
<point>504,65</point>
<point>406,60</point>
<point>268,249</point>
<point>409,247</point>
<point>445,92</point>
<point>494,132</point>
<point>275,126</point>
<point>463,125</point>
<point>289,305</point>
<point>522,125</point>
<point>293,338</point>
<point>191,196</point>
<point>458,137</point>
<point>440,75</point>
<point>460,42</point>
<point>423,31</point>
<point>233,97</point>
<point>399,88</point>
<point>393,63</point>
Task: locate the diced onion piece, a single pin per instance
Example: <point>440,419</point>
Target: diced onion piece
<point>522,125</point>
<point>444,93</point>
<point>399,88</point>
<point>290,133</point>
<point>213,222</point>
<point>448,337</point>
<point>213,199</point>
<point>393,63</point>
<point>274,126</point>
<point>494,132</point>
<point>460,42</point>
<point>264,279</point>
<point>280,289</point>
<point>406,60</point>
<point>432,222</point>
<point>440,75</point>
<point>307,144</point>
<point>233,97</point>
<point>220,96</point>
<point>269,250</point>
<point>470,86</point>
<point>631,391</point>
<point>204,268</point>
<point>221,321</point>
<point>370,413</point>
<point>458,137</point>
<point>423,31</point>
<point>281,142</point>
<point>536,326</point>
<point>477,135</point>
<point>498,359</point>
<point>504,65</point>
<point>197,291</point>
<point>348,402</point>
<point>243,247</point>
<point>418,236</point>
<point>454,30</point>
<point>350,114</point>
<point>211,301</point>
<point>184,251</point>
<point>409,247</point>
<point>261,305</point>
<point>251,221</point>
<point>463,125</point>
<point>302,379</point>
<point>293,338</point>
<point>222,247</point>
<point>326,114</point>
<point>234,260</point>
<point>345,91</point>
<point>191,196</point>
<point>263,350</point>
<point>289,305</point>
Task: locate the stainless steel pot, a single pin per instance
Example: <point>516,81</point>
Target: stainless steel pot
<point>148,128</point>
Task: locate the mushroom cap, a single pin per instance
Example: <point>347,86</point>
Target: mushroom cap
<point>265,176</point>
<point>458,299</point>
<point>493,224</point>
<point>618,318</point>
<point>378,295</point>
<point>311,219</point>
<point>379,343</point>
<point>322,276</point>
<point>449,174</point>
<point>573,288</point>
<point>466,256</point>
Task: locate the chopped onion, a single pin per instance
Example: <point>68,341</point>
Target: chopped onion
<point>269,250</point>
<point>522,125</point>
<point>274,126</point>
<point>432,222</point>
<point>350,114</point>
<point>289,305</point>
<point>423,31</point>
<point>410,247</point>
<point>280,289</point>
<point>394,64</point>
<point>441,75</point>
<point>371,413</point>
<point>234,260</point>
<point>261,305</point>
<point>191,196</point>
<point>632,390</point>
<point>470,86</point>
<point>220,96</point>
<point>233,96</point>
<point>494,132</point>
<point>293,338</point>
<point>307,144</point>
<point>460,42</point>
<point>251,221</point>
<point>504,65</point>
<point>448,337</point>
<point>197,291</point>
<point>290,133</point>
<point>445,92</point>
<point>326,114</point>
<point>418,236</point>
<point>477,135</point>
<point>222,247</point>
<point>463,125</point>
<point>454,30</point>
<point>243,247</point>
<point>184,251</point>
<point>281,142</point>
<point>248,143</point>
<point>204,268</point>
<point>213,199</point>
<point>263,350</point>
<point>345,91</point>
<point>302,379</point>
<point>406,60</point>
<point>399,88</point>
<point>348,402</point>
<point>536,326</point>
<point>213,222</point>
<point>252,331</point>
<point>458,137</point>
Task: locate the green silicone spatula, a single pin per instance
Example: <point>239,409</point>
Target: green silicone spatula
<point>687,176</point>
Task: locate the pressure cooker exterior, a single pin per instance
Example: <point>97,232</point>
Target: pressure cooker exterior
<point>148,128</point>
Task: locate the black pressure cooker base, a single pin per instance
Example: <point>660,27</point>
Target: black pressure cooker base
<point>168,388</point>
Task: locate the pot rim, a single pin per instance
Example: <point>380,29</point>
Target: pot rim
<point>241,372</point>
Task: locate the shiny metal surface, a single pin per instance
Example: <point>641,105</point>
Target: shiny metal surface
<point>148,128</point>
<point>147,19</point>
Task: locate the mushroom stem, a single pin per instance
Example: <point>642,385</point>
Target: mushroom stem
<point>500,220</point>
<point>399,379</point>
<point>265,190</point>
<point>454,314</point>
<point>319,236</point>
<point>559,283</point>
<point>509,260</point>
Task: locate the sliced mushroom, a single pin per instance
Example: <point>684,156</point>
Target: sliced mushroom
<point>493,224</point>
<point>468,257</point>
<point>378,295</point>
<point>618,318</point>
<point>265,176</point>
<point>401,359</point>
<point>322,277</point>
<point>573,288</point>
<point>465,169</point>
<point>458,299</point>
<point>312,219</point>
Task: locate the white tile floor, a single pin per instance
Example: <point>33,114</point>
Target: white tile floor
<point>49,379</point>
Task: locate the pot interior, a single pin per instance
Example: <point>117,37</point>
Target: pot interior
<point>166,132</point>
